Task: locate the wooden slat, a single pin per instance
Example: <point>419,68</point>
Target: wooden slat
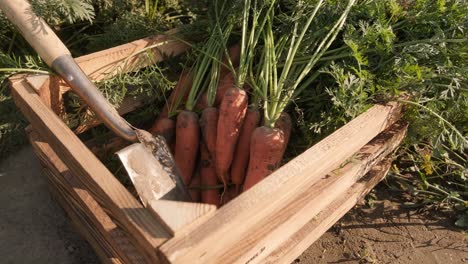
<point>313,230</point>
<point>96,178</point>
<point>88,231</point>
<point>78,199</point>
<point>271,233</point>
<point>104,64</point>
<point>232,234</point>
<point>50,92</point>
<point>179,216</point>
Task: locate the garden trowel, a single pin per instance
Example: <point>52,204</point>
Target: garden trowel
<point>150,165</point>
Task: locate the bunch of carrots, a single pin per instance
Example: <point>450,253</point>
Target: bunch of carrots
<point>225,120</point>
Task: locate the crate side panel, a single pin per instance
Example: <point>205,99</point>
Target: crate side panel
<point>271,232</point>
<point>237,220</point>
<point>96,178</point>
<point>313,230</point>
<point>111,237</point>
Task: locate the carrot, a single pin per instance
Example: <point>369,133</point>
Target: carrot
<point>284,123</point>
<point>225,83</point>
<point>234,56</point>
<point>266,152</point>
<point>241,155</point>
<point>165,127</point>
<point>231,117</point>
<point>194,190</point>
<point>187,141</point>
<point>208,177</point>
<point>180,92</point>
<point>209,126</point>
<point>226,76</point>
<point>229,195</point>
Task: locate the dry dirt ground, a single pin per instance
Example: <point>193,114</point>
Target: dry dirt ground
<point>388,233</point>
<point>34,229</point>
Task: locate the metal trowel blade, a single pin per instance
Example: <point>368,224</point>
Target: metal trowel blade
<point>152,180</point>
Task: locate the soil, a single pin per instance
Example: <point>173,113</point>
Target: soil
<point>386,232</point>
<point>34,229</point>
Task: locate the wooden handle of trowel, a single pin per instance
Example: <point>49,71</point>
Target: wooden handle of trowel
<point>51,49</point>
<point>34,29</point>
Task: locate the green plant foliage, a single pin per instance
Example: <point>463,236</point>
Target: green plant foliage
<point>395,48</point>
<point>57,12</point>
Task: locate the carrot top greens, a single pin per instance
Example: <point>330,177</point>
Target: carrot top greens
<point>276,85</point>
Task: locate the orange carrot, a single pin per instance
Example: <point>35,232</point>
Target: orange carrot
<point>194,190</point>
<point>284,123</point>
<point>225,82</point>
<point>266,152</point>
<point>187,141</point>
<point>208,177</point>
<point>229,195</point>
<point>180,92</point>
<point>231,117</point>
<point>241,155</point>
<point>209,126</point>
<point>234,55</point>
<point>165,127</point>
<point>225,76</point>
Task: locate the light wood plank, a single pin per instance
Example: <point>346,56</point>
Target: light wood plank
<point>270,233</point>
<point>106,232</point>
<point>86,230</point>
<point>96,178</point>
<point>223,236</point>
<point>125,58</point>
<point>313,230</point>
<point>180,216</point>
<point>37,81</point>
<point>51,94</point>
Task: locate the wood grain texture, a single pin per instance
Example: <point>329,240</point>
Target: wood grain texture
<point>235,232</point>
<point>37,81</point>
<point>98,226</point>
<point>49,91</point>
<point>314,229</point>
<point>180,216</point>
<point>79,219</point>
<point>95,177</point>
<point>131,56</point>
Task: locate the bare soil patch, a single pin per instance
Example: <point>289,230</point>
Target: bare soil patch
<point>389,233</point>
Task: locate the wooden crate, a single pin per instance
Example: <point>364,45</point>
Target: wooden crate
<point>273,222</point>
